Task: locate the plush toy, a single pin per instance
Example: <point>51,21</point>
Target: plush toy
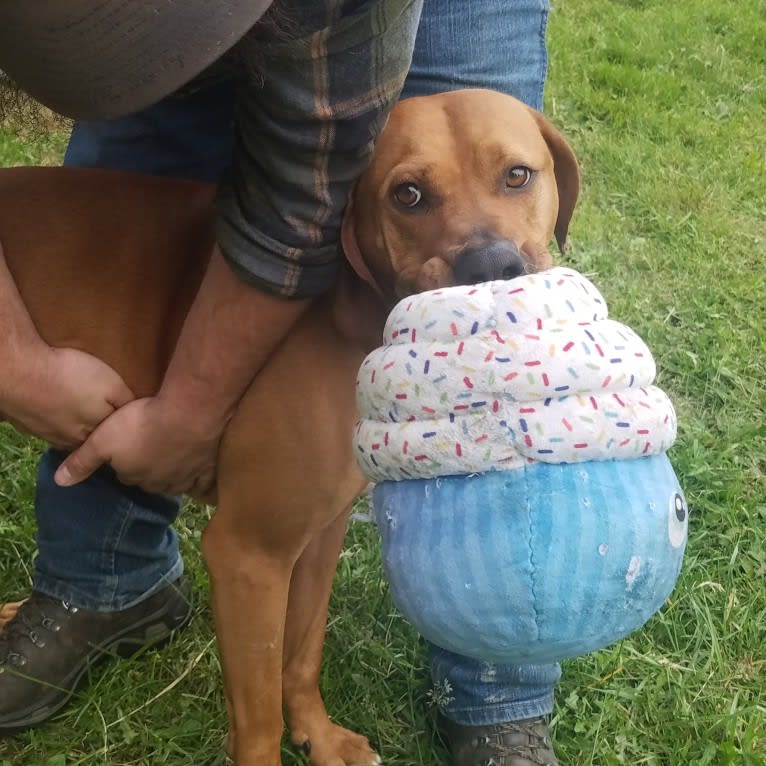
<point>527,508</point>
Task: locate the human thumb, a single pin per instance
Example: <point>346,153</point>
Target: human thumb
<point>81,463</point>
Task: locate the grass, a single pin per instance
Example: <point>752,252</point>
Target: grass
<point>664,104</point>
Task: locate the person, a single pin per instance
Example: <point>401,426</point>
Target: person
<point>107,549</point>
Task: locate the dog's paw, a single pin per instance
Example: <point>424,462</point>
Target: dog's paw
<point>332,745</point>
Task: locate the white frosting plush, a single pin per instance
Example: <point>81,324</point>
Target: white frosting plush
<point>493,376</point>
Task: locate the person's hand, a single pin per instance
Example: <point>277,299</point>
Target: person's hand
<point>57,394</point>
<point>169,442</point>
<point>61,394</point>
<point>151,443</point>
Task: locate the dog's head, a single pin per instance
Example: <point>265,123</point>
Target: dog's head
<point>464,187</point>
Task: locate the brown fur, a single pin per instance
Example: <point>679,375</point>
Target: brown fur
<point>109,263</point>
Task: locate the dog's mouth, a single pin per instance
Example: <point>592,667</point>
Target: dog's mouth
<point>482,260</point>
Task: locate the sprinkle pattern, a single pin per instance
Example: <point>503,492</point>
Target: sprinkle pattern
<point>494,376</point>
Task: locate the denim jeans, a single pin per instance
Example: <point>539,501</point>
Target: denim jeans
<point>105,546</point>
<point>102,545</point>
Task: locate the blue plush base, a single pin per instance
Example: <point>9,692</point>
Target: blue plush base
<point>535,564</point>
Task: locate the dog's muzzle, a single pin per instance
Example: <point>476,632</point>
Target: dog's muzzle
<point>499,259</point>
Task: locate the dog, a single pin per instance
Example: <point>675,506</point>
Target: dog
<point>463,187</point>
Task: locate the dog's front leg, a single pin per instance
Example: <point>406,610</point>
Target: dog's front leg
<point>285,475</point>
<point>326,743</point>
<point>250,587</point>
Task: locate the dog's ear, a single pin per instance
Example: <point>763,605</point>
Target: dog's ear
<point>359,310</point>
<point>567,174</point>
<point>350,247</point>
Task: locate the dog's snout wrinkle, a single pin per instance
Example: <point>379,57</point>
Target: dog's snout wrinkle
<point>489,261</point>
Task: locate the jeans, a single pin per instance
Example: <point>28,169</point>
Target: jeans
<point>105,546</point>
<point>102,545</point>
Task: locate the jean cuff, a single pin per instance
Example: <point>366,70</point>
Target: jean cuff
<point>113,595</point>
<point>489,714</point>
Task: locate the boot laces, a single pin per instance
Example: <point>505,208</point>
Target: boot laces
<point>31,623</point>
<point>536,749</point>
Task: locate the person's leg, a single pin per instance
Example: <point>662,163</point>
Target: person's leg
<point>492,712</point>
<point>130,547</point>
<point>183,136</point>
<point>102,545</point>
<point>107,580</point>
<point>108,565</point>
<point>496,44</point>
<point>475,693</point>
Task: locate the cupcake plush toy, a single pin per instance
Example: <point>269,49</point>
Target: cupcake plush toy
<point>526,504</point>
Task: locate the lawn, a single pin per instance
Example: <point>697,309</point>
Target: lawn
<point>665,105</point>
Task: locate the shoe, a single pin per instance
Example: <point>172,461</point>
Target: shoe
<point>49,645</point>
<point>515,743</point>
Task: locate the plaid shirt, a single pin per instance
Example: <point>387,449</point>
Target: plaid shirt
<point>304,134</point>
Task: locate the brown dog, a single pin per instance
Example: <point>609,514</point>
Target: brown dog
<point>464,187</point>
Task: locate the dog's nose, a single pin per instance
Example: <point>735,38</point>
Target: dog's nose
<point>500,259</point>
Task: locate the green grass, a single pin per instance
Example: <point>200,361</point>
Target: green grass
<point>664,104</point>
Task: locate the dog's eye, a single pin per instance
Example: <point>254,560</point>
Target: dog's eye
<point>407,195</point>
<point>518,177</point>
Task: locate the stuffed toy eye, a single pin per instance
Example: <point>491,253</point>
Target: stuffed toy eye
<point>678,519</point>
